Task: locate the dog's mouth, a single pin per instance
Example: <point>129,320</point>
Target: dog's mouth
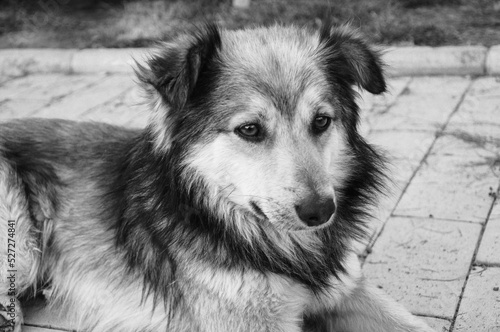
<point>287,225</point>
<point>297,226</point>
<point>301,228</point>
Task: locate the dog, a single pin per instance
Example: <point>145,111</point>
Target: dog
<point>235,209</point>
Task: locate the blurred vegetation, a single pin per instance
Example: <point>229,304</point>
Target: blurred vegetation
<point>427,3</point>
<point>138,23</point>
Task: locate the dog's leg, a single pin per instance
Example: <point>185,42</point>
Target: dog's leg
<point>367,309</point>
<point>19,254</point>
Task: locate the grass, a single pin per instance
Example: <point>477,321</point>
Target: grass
<point>137,23</point>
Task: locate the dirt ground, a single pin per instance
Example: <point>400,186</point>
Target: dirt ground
<point>138,23</point>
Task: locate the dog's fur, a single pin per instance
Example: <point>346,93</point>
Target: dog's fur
<point>189,225</point>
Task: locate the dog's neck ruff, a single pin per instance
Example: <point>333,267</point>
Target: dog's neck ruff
<point>164,216</point>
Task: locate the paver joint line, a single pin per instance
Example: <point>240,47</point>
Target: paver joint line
<point>374,239</point>
<point>474,255</point>
<point>397,215</point>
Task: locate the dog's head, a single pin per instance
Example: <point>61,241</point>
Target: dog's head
<point>265,118</point>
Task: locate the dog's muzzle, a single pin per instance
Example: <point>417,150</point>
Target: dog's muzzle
<point>316,210</point>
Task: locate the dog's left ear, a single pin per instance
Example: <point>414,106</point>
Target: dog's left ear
<point>349,58</point>
<point>175,69</point>
<point>174,76</point>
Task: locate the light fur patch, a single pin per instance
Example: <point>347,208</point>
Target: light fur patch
<point>92,285</point>
<point>14,207</point>
<point>279,301</point>
<point>159,123</point>
<point>231,191</point>
<point>339,288</point>
<point>102,301</point>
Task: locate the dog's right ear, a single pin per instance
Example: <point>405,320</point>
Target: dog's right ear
<point>170,76</point>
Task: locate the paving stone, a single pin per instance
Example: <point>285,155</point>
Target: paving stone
<point>28,87</point>
<point>478,116</point>
<point>37,314</point>
<point>45,86</point>
<point>110,60</point>
<point>371,105</point>
<point>75,105</point>
<point>4,79</point>
<point>124,110</point>
<point>454,182</point>
<point>446,60</point>
<point>423,263</point>
<point>19,62</point>
<point>11,109</point>
<point>489,250</point>
<point>493,61</point>
<point>114,113</point>
<point>481,103</point>
<point>395,85</point>
<point>404,150</point>
<point>425,104</point>
<point>384,208</point>
<point>438,324</point>
<point>380,214</point>
<point>480,307</point>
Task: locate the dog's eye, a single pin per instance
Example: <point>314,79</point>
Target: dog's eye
<point>321,123</point>
<point>250,131</point>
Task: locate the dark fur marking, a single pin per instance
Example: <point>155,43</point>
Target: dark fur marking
<point>350,59</point>
<point>175,72</point>
<point>34,169</point>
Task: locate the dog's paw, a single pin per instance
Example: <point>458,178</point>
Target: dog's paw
<point>10,316</point>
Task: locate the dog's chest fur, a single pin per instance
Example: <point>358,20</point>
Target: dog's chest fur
<point>255,301</point>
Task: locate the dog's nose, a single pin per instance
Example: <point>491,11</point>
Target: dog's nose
<point>315,210</point>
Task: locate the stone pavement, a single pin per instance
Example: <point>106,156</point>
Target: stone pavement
<point>435,244</point>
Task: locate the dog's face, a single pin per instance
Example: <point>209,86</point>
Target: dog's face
<point>265,117</point>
